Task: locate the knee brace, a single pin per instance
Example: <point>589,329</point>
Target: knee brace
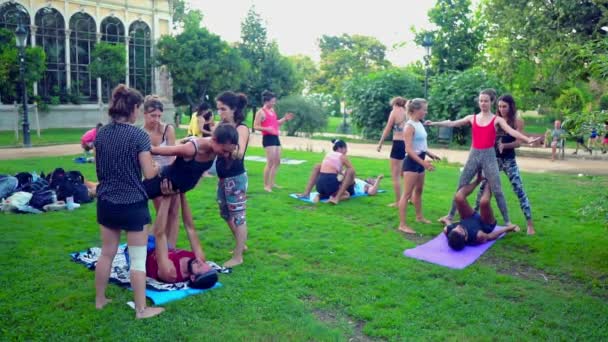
<point>138,254</point>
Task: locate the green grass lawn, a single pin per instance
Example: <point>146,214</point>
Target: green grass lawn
<point>325,273</point>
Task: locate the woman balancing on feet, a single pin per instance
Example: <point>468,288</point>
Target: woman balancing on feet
<point>396,122</point>
<point>414,165</point>
<point>123,152</point>
<point>482,155</point>
<point>268,123</point>
<point>505,155</point>
<point>232,184</point>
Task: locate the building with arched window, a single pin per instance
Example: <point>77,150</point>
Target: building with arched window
<point>68,30</point>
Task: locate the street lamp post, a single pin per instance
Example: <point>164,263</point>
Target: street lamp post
<point>427,42</point>
<point>21,37</point>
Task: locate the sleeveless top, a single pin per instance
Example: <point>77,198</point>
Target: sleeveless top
<point>270,120</point>
<point>399,127</point>
<point>483,136</point>
<point>228,167</point>
<point>175,255</point>
<point>507,153</point>
<point>185,174</point>
<point>206,127</point>
<point>334,159</point>
<point>163,160</point>
<point>419,143</point>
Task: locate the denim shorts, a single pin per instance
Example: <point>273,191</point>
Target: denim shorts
<point>232,198</point>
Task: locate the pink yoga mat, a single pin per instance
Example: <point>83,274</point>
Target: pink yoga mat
<point>438,252</point>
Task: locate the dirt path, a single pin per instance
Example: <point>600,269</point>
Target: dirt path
<point>530,164</point>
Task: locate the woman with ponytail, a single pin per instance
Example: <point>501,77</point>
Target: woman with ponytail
<point>122,155</point>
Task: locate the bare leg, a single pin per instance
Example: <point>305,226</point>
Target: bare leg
<point>485,207</point>
<point>110,239</point>
<point>373,188</point>
<point>396,174</point>
<point>312,180</point>
<point>349,179</point>
<point>275,166</point>
<point>417,198</point>
<point>462,205</point>
<point>267,168</point>
<point>410,182</point>
<point>240,235</point>
<point>138,280</point>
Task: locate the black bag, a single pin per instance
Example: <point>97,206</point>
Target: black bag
<point>56,178</point>
<point>24,178</point>
<point>72,184</point>
<point>35,186</point>
<point>42,198</point>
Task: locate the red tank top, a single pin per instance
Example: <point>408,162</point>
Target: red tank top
<point>270,120</point>
<point>483,136</point>
<point>175,255</point>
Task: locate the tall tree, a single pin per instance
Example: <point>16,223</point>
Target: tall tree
<point>107,63</point>
<point>200,63</point>
<point>345,56</point>
<point>306,72</point>
<point>458,37</point>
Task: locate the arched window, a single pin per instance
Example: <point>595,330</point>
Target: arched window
<point>140,63</point>
<point>82,41</point>
<point>13,14</point>
<point>51,37</point>
<point>112,30</point>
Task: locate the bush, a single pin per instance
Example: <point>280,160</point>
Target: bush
<point>328,103</point>
<point>570,101</point>
<point>55,100</point>
<point>369,96</point>
<point>604,102</point>
<point>309,116</point>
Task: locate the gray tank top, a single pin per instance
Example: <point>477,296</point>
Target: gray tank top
<point>419,140</point>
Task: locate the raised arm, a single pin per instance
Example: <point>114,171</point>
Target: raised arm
<point>387,129</point>
<point>483,237</point>
<point>195,243</point>
<point>510,131</point>
<point>449,123</point>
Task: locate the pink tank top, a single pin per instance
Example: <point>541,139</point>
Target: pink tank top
<point>483,136</point>
<point>334,159</point>
<point>270,120</point>
<point>175,255</point>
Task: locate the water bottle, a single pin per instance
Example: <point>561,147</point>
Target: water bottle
<point>54,197</point>
<point>69,203</point>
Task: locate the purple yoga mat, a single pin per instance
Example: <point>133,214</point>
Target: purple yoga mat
<point>438,252</point>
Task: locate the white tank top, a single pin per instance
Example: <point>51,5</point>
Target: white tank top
<point>163,160</point>
<point>419,143</point>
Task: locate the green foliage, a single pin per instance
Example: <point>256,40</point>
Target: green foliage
<point>306,72</point>
<point>579,123</point>
<point>570,101</point>
<point>329,104</point>
<point>369,96</point>
<point>35,66</point>
<point>309,116</point>
<point>346,56</point>
<point>604,102</point>
<point>200,63</point>
<point>108,63</point>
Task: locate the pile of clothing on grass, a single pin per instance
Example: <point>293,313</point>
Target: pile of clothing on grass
<point>28,192</point>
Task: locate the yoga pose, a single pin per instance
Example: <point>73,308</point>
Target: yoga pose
<point>505,155</point>
<point>482,155</point>
<point>232,184</point>
<point>123,152</point>
<point>396,122</point>
<point>172,265</point>
<point>161,134</point>
<point>414,165</point>
<point>268,123</point>
<point>475,227</point>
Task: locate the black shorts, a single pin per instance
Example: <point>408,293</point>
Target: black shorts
<point>328,185</point>
<point>410,165</point>
<point>130,217</point>
<point>398,150</point>
<point>270,140</point>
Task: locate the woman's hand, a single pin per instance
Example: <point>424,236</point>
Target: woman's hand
<point>500,146</point>
<point>166,188</point>
<point>533,140</point>
<point>427,165</point>
<point>379,147</point>
<point>289,116</point>
<point>428,123</point>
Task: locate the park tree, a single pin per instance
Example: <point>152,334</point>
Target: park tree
<point>306,72</point>
<point>345,56</point>
<point>200,63</point>
<point>107,63</point>
<point>458,38</point>
<point>35,66</point>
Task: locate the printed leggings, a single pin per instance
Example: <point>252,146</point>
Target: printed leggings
<point>483,159</point>
<point>509,166</point>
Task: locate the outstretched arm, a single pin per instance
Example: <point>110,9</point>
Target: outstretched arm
<point>515,134</point>
<point>183,150</point>
<point>483,237</point>
<point>449,123</point>
<point>519,124</point>
<point>195,243</point>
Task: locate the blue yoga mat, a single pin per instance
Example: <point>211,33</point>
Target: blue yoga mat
<point>163,297</point>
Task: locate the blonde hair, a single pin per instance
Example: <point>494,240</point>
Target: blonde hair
<point>398,101</point>
<point>415,104</point>
<point>152,102</point>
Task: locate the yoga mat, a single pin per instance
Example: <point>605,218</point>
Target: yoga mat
<point>438,252</point>
<point>159,292</point>
<point>285,161</point>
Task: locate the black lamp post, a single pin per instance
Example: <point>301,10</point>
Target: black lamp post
<point>21,37</point>
<point>427,42</point>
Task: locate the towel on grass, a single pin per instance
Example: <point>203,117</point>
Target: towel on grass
<point>285,161</point>
<point>359,192</point>
<point>437,251</point>
<point>157,291</point>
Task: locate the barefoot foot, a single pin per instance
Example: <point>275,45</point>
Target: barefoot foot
<point>244,250</point>
<point>531,230</point>
<point>446,220</point>
<point>233,262</point>
<point>406,230</point>
<point>100,303</point>
<point>423,220</point>
<point>267,189</point>
<point>277,186</point>
<point>393,205</point>
<point>334,200</point>
<point>148,312</point>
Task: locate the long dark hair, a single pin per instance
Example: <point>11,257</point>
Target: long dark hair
<point>338,144</point>
<point>236,102</point>
<point>267,95</point>
<point>226,134</point>
<point>123,100</point>
<point>512,114</point>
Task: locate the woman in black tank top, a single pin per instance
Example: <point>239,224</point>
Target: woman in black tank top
<point>232,184</point>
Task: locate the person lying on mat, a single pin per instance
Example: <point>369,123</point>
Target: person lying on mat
<point>172,265</point>
<point>367,186</point>
<point>335,177</point>
<point>474,228</point>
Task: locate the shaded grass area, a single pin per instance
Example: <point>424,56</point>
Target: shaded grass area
<point>322,272</point>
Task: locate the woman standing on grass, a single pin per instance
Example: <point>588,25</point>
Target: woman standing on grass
<point>162,134</point>
<point>396,122</point>
<point>505,155</point>
<point>268,123</point>
<point>414,165</point>
<point>482,155</point>
<point>123,152</point>
<point>232,184</point>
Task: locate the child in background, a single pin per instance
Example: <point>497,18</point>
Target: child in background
<point>556,136</point>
